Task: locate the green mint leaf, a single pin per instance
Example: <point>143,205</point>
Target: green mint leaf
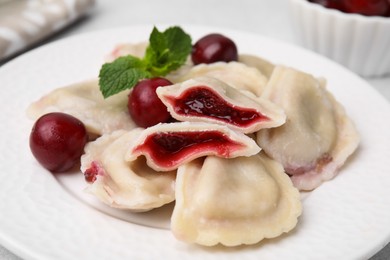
<point>121,74</point>
<point>167,50</point>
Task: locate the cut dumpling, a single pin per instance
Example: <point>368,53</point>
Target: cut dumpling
<point>264,66</point>
<point>210,100</point>
<point>85,102</point>
<point>167,146</point>
<point>233,201</point>
<point>317,137</point>
<point>235,74</point>
<point>121,184</point>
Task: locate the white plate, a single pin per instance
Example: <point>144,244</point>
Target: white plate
<point>42,217</point>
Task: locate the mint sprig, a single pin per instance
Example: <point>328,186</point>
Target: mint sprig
<point>166,52</point>
<point>121,74</point>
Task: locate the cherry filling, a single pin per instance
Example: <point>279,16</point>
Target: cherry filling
<point>204,102</point>
<point>92,172</point>
<point>168,149</point>
<point>316,166</point>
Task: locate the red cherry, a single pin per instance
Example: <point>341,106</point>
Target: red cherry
<point>212,48</point>
<point>367,7</point>
<point>57,141</point>
<point>144,106</point>
<point>333,4</point>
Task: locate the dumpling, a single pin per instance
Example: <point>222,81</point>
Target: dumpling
<point>134,49</point>
<point>233,201</point>
<point>167,146</point>
<point>317,137</point>
<point>235,74</point>
<point>84,101</point>
<point>264,66</point>
<point>122,184</point>
<point>210,100</point>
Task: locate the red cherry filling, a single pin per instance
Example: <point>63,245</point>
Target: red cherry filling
<point>204,102</point>
<point>93,171</point>
<point>316,166</point>
<point>168,149</point>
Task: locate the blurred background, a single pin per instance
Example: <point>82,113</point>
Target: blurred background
<point>28,24</point>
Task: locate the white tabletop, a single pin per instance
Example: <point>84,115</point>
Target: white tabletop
<point>268,18</point>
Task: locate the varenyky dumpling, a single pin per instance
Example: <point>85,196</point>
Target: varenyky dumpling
<point>317,137</point>
<point>85,101</point>
<point>210,100</point>
<point>124,49</point>
<point>167,146</point>
<point>233,201</point>
<point>122,184</point>
<point>237,75</point>
<point>263,65</point>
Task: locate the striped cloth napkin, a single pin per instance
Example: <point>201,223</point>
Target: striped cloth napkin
<point>24,23</point>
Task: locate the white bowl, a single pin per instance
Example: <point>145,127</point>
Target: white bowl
<point>360,43</point>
